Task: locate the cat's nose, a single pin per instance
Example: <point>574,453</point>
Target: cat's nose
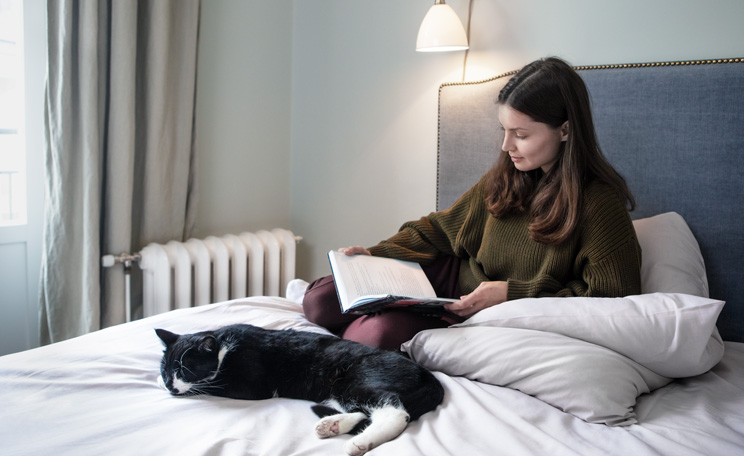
<point>162,384</point>
<point>180,387</point>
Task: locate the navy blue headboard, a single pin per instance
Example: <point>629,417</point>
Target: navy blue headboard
<point>674,130</point>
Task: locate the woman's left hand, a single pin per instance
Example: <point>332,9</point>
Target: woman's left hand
<point>486,295</point>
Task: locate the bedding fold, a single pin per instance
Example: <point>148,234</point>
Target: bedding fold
<point>590,357</point>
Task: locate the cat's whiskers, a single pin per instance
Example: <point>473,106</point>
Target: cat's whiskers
<point>180,360</point>
<point>204,386</point>
<point>182,367</point>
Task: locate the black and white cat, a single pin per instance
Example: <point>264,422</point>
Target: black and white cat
<point>364,391</point>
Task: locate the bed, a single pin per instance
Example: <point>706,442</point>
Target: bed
<point>657,373</point>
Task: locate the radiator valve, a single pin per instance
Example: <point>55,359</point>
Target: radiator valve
<point>126,259</point>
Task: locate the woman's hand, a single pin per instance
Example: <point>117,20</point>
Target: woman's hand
<point>486,295</point>
<point>354,250</point>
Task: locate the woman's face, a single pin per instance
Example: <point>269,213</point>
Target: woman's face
<point>530,144</point>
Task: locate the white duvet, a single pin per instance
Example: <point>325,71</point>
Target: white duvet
<point>98,395</point>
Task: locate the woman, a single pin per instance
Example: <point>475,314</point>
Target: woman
<point>549,219</point>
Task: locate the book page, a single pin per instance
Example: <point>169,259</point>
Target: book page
<point>363,275</point>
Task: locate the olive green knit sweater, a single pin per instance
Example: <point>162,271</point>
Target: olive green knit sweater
<point>601,258</point>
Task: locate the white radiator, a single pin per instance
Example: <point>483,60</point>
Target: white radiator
<point>202,271</point>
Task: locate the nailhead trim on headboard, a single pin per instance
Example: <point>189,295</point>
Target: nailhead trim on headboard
<point>610,66</point>
<point>658,64</point>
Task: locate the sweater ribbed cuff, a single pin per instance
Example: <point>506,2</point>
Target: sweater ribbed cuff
<point>517,289</point>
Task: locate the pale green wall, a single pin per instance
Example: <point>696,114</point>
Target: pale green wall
<point>341,80</point>
<point>243,116</point>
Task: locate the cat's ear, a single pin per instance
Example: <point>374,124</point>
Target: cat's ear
<point>208,344</point>
<point>167,337</point>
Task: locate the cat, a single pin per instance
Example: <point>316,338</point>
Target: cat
<point>359,390</point>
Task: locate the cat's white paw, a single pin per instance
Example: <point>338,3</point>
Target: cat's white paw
<point>327,427</point>
<point>334,425</point>
<point>387,423</point>
<point>357,446</point>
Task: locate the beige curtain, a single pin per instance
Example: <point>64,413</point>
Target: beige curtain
<point>119,148</point>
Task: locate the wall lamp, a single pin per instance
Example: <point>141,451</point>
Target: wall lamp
<point>441,30</point>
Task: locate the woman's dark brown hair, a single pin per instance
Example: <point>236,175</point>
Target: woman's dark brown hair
<point>551,92</point>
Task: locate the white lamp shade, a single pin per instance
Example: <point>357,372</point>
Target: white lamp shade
<point>441,30</point>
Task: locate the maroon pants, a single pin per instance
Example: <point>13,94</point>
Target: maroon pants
<point>387,329</point>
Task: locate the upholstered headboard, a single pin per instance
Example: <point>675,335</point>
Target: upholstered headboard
<point>674,130</point>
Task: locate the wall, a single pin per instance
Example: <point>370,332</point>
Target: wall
<point>243,116</point>
<point>509,34</point>
<point>364,124</point>
<point>364,102</point>
<point>341,79</point>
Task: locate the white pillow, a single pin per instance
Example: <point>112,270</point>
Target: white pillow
<point>671,258</point>
<point>674,335</point>
<point>583,379</point>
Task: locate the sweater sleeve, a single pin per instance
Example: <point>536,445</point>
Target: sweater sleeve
<point>439,233</point>
<point>608,259</point>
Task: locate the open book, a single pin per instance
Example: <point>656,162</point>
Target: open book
<point>366,284</point>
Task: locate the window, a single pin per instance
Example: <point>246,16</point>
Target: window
<point>12,114</point>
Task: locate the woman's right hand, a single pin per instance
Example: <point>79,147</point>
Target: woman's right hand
<point>354,250</point>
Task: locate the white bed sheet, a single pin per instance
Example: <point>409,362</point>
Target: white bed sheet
<point>98,394</point>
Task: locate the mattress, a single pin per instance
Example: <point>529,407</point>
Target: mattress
<point>98,394</point>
